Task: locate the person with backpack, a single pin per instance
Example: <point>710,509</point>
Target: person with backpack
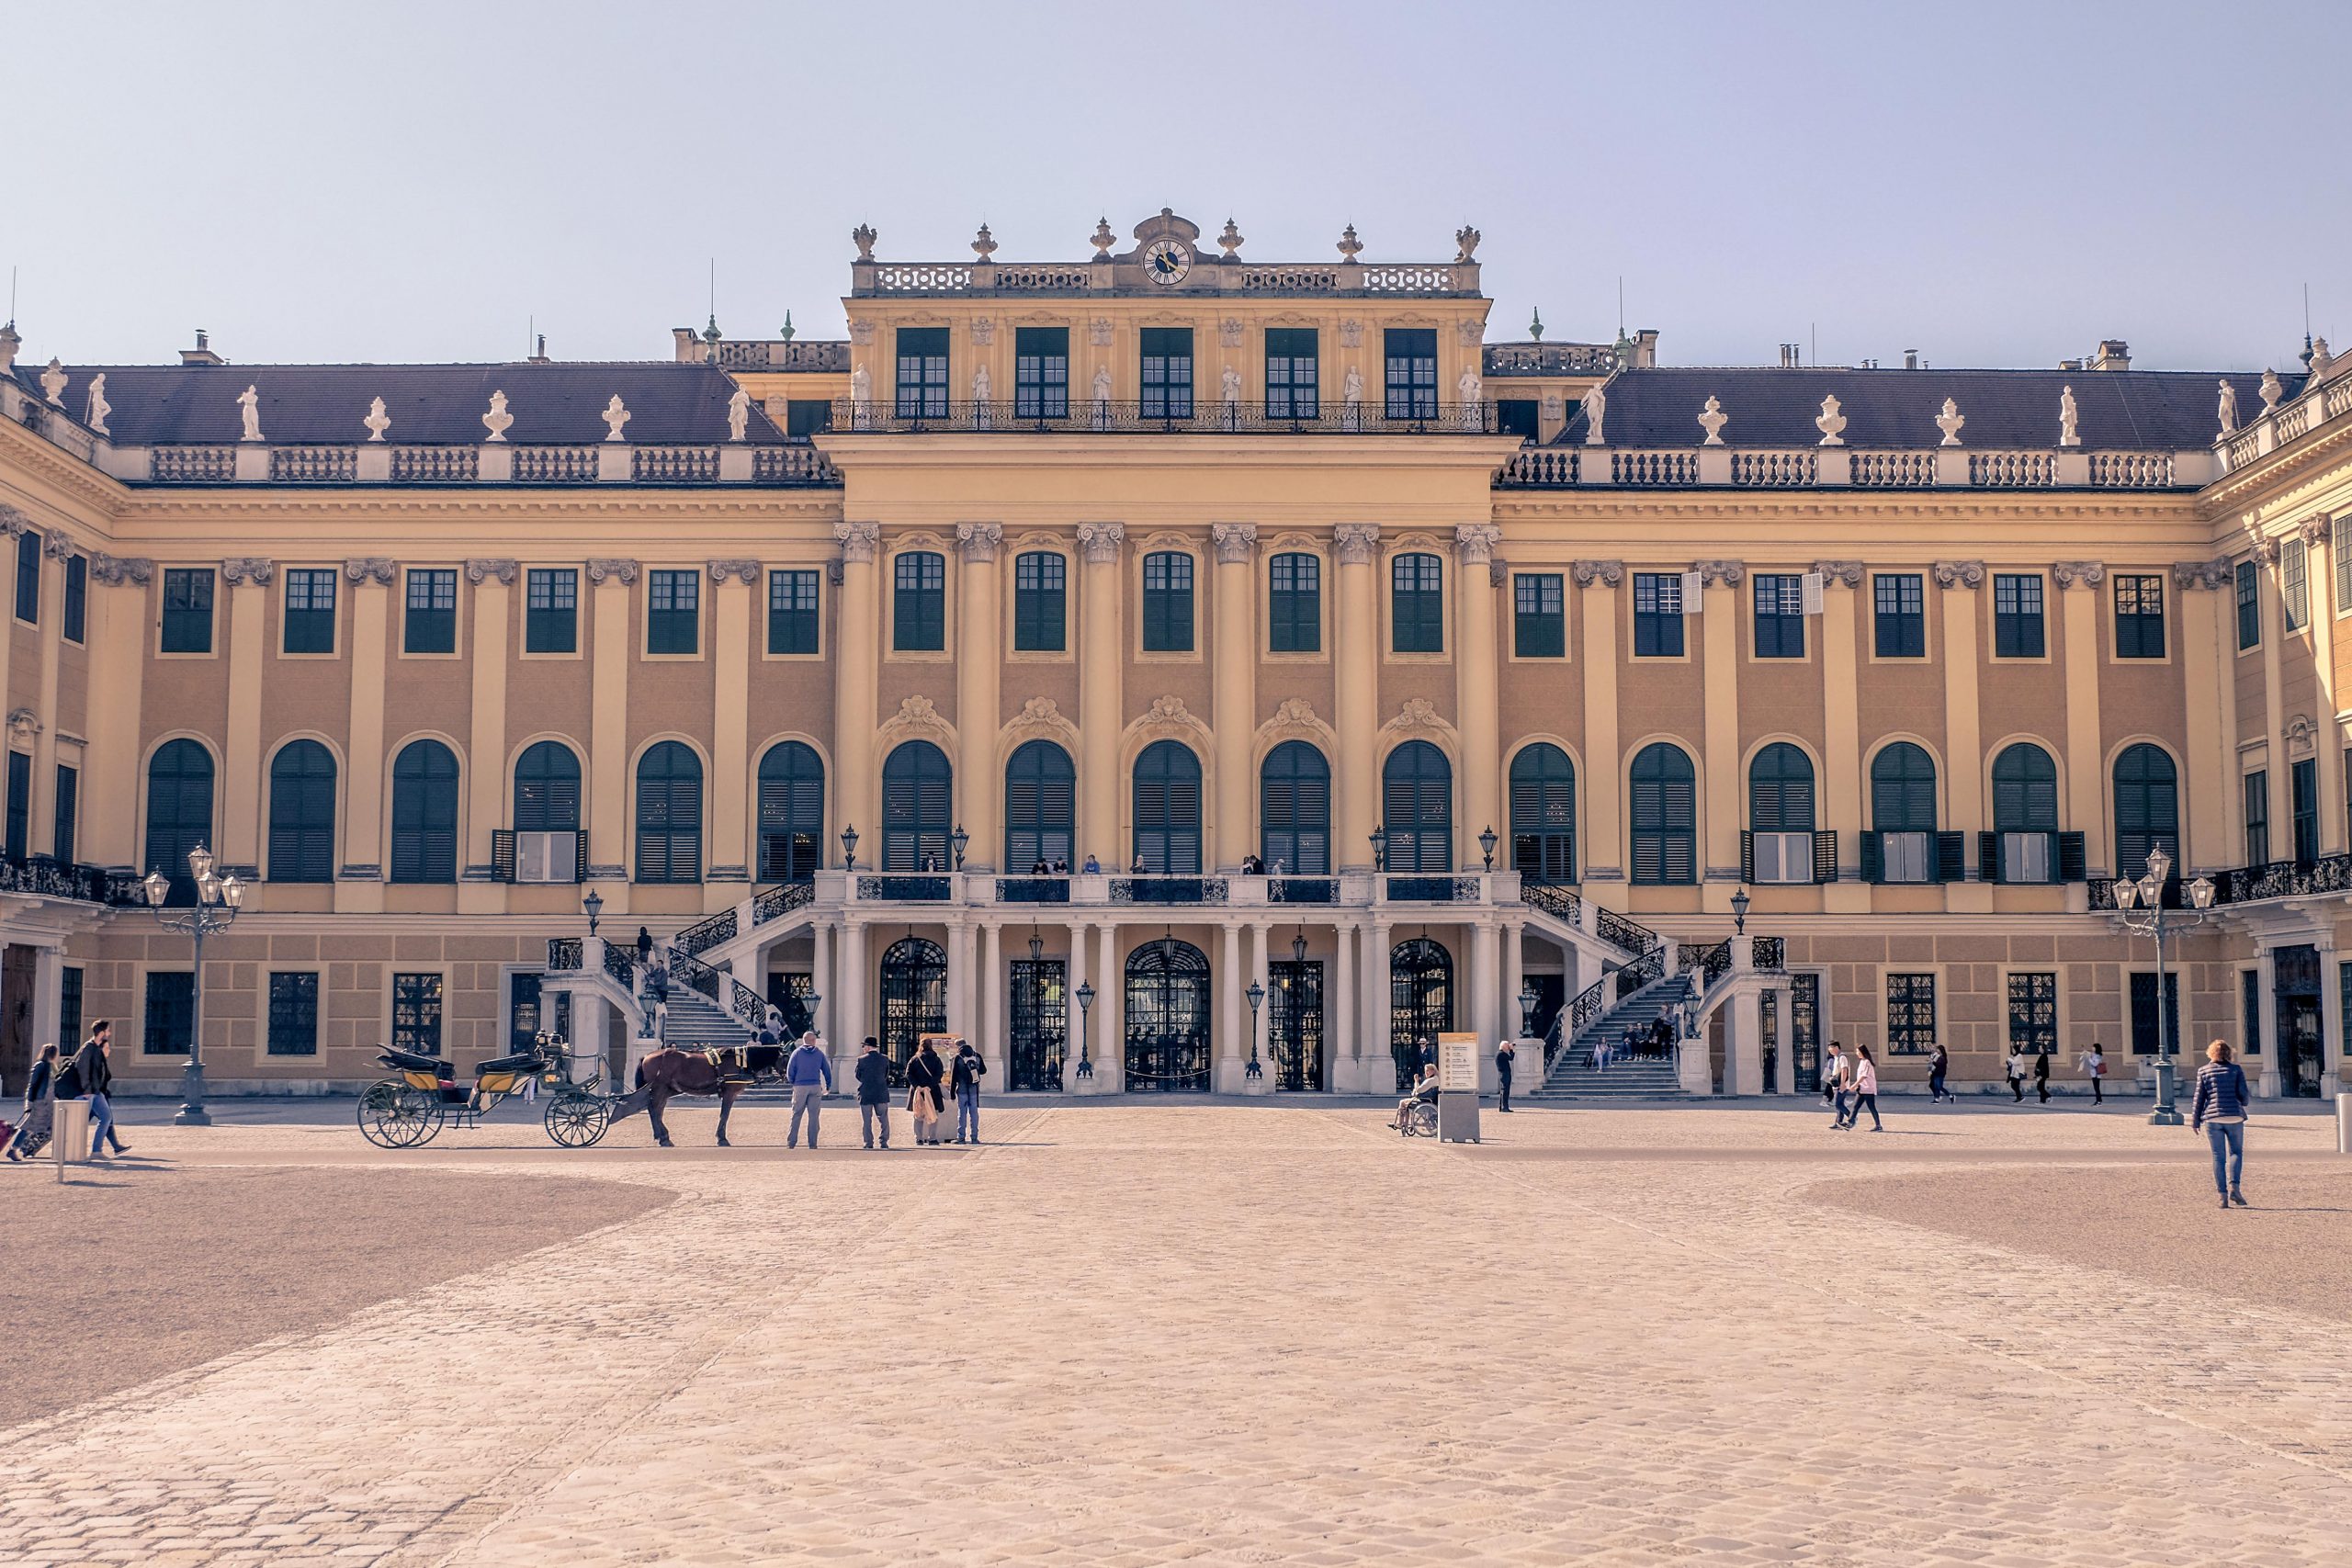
<point>2017,1074</point>
<point>925,1073</point>
<point>873,1093</point>
<point>963,1081</point>
<point>2218,1112</point>
<point>92,1078</point>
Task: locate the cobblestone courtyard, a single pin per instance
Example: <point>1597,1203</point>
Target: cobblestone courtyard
<point>1225,1332</point>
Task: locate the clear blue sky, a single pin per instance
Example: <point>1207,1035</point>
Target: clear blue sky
<point>1991,184</point>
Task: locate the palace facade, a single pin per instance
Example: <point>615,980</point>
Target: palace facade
<point>1178,671</point>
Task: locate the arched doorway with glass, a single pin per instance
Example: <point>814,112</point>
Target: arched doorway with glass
<point>1421,1003</point>
<point>1038,1010</point>
<point>914,997</point>
<point>1295,1018</point>
<point>1168,1017</point>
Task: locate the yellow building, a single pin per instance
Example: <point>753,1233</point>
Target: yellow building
<point>1351,677</point>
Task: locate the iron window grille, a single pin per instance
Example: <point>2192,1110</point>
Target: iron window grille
<point>416,1013</point>
<point>294,1013</point>
<point>1910,1014</point>
<point>2033,1012</point>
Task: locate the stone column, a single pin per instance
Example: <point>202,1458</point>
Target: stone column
<point>1744,1045</point>
<point>1602,849</point>
<point>1486,996</point>
<point>238,849</point>
<point>1964,747</point>
<point>978,673</point>
<point>1784,1057</point>
<point>1343,1072</point>
<point>2265,1074</point>
<point>1226,1076</point>
<point>2271,602</point>
<point>1355,655</point>
<point>1110,1009</point>
<point>493,582</point>
<point>41,818</point>
<point>1235,640</point>
<point>1841,749</point>
<point>49,997</point>
<point>2209,686</point>
<point>1514,978</point>
<point>1079,1021</point>
<point>609,651</point>
<point>1720,774</point>
<point>1258,975</point>
<point>2331,1025</point>
<point>2318,572</point>
<point>2079,583</point>
<point>829,1000</point>
<point>1477,688</point>
<point>959,979</point>
<point>359,887</point>
<point>118,622</point>
<point>1100,719</point>
<point>850,1020</point>
<point>730,705</point>
<point>1378,1056</point>
<point>991,1028</point>
<point>857,680</point>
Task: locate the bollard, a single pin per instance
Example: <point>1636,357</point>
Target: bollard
<point>69,1133</point>
<point>2343,1123</point>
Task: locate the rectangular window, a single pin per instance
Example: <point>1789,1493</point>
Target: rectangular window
<point>918,602</point>
<point>1906,857</point>
<point>792,612</point>
<point>1900,598</point>
<point>2033,1012</point>
<point>1167,603</point>
<point>188,610</point>
<point>1041,372</point>
<point>1040,602</point>
<point>923,373</point>
<point>1910,1014</point>
<point>77,596</point>
<point>69,805</point>
<point>2025,857</point>
<point>69,1004</point>
<point>2139,617</point>
<point>2294,583</point>
<point>2017,617</point>
<point>431,623</point>
<point>1658,614</point>
<point>1293,368</point>
<point>416,1013</point>
<point>171,1012</point>
<point>2303,795</point>
<point>1523,417</point>
<point>2249,606</point>
<point>1167,372</point>
<point>2257,818</point>
<point>2146,1031</point>
<point>20,807</point>
<point>804,417</point>
<point>309,610</point>
<point>551,611</point>
<point>1417,604</point>
<point>1779,614</point>
<point>1411,369</point>
<point>294,1013</point>
<point>1294,603</point>
<point>1540,615</point>
<point>28,576</point>
<point>673,612</point>
<point>2249,1013</point>
<point>2339,551</point>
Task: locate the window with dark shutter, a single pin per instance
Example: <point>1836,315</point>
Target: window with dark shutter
<point>1780,615</point>
<point>1295,809</point>
<point>1168,601</point>
<point>669,814</point>
<point>1417,584</point>
<point>179,812</point>
<point>1168,808</point>
<point>77,597</point>
<point>792,812</point>
<point>425,814</point>
<point>2255,793</point>
<point>917,800</point>
<point>20,805</point>
<point>1040,602</point>
<point>922,372</point>
<point>1903,812</point>
<point>919,602</point>
<point>309,610</point>
<point>1041,372</point>
<point>302,813</point>
<point>546,789</point>
<point>431,623</point>
<point>171,1011</point>
<point>1295,603</point>
<point>1538,615</point>
<point>2139,617</point>
<point>792,612</point>
<point>1780,791</point>
<point>1040,806</point>
<point>2025,814</point>
<point>28,576</point>
<point>1166,372</point>
<point>188,610</point>
<point>1410,362</point>
<point>673,612</point>
<point>2249,583</point>
<point>1658,614</point>
<point>1664,816</point>
<point>2147,808</point>
<point>2302,784</point>
<point>1416,808</point>
<point>551,611</point>
<point>1292,374</point>
<point>1900,600</point>
<point>69,798</point>
<point>1543,814</point>
<point>2016,615</point>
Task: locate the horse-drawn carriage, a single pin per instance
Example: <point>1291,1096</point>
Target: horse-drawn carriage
<point>407,1109</point>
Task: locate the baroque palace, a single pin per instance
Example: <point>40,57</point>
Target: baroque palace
<point>1177,672</point>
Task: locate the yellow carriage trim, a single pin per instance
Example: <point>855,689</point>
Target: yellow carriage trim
<point>429,1082</point>
<point>497,1083</point>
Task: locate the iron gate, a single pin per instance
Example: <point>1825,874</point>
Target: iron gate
<point>914,998</point>
<point>1294,1022</point>
<point>1804,1031</point>
<point>1421,1003</point>
<point>1168,1017</point>
<point>2300,1029</point>
<point>1040,1023</point>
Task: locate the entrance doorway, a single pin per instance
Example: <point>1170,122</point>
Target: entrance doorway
<point>789,993</point>
<point>2300,1033</point>
<point>914,998</point>
<point>17,1020</point>
<point>1168,1017</point>
<point>1421,1003</point>
<point>1040,1023</point>
<point>1551,996</point>
<point>1294,1022</point>
<point>1804,1031</point>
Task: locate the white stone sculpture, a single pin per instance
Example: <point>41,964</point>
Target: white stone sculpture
<point>52,383</point>
<point>1711,419</point>
<point>2272,390</point>
<point>2322,362</point>
<point>95,411</point>
<point>378,421</point>
<point>2069,431</point>
<point>615,416</point>
<point>860,396</point>
<point>738,415</point>
<point>1949,422</point>
<point>1352,388</point>
<point>249,405</point>
<point>1466,387</point>
<point>1101,383</point>
<point>1098,332</point>
<point>980,387</point>
<point>1832,425</point>
<point>2229,406</point>
<point>498,421</point>
<point>1596,407</point>
<point>1228,384</point>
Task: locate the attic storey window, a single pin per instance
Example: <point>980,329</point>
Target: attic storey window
<point>922,372</point>
<point>1412,372</point>
<point>1167,372</point>
<point>1041,372</point>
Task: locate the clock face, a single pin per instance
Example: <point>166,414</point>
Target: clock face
<point>1167,262</point>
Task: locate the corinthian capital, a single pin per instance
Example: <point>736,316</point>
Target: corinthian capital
<point>1476,542</point>
<point>720,571</point>
<point>1959,574</point>
<point>1721,574</point>
<point>1608,572</point>
<point>2079,573</point>
<point>377,568</point>
<point>500,566</point>
<point>2201,574</point>
<point>978,541</point>
<point>1234,541</point>
<point>1356,542</point>
<point>114,570</point>
<point>260,569</point>
<point>1846,573</point>
<point>1101,541</point>
<point>859,541</point>
<point>599,569</point>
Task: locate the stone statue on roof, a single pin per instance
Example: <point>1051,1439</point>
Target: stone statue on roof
<point>738,415</point>
<point>2322,362</point>
<point>249,404</point>
<point>378,421</point>
<point>1711,419</point>
<point>2272,390</point>
<point>1949,422</point>
<point>2069,431</point>
<point>615,415</point>
<point>97,408</point>
<point>2229,406</point>
<point>52,383</point>
<point>1832,425</point>
<point>1596,406</point>
<point>498,421</point>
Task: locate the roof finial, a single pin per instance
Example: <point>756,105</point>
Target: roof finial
<point>787,326</point>
<point>1535,326</point>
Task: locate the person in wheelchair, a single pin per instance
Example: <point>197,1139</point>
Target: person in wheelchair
<point>1424,1093</point>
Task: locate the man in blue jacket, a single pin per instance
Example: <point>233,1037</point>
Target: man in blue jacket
<point>811,1073</point>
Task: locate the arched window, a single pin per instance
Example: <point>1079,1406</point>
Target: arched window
<point>1666,838</point>
<point>1295,809</point>
<point>1543,814</point>
<point>302,813</point>
<point>179,812</point>
<point>1901,844</point>
<point>1168,808</point>
<point>425,814</point>
<point>1780,815</point>
<point>1417,808</point>
<point>917,803</point>
<point>546,789</point>
<point>669,814</point>
<point>1416,610</point>
<point>2147,808</point>
<point>2025,815</point>
<point>792,812</point>
<point>913,995</point>
<point>1040,806</point>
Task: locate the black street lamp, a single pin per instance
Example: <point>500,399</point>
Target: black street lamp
<point>1487,845</point>
<point>1037,944</point>
<point>849,849</point>
<point>1380,849</point>
<point>1085,1029</point>
<point>813,999</point>
<point>593,907</point>
<point>957,840</point>
<point>1528,997</point>
<point>1256,995</point>
<point>2155,920</point>
<point>217,900</point>
<point>1739,901</point>
<point>1298,947</point>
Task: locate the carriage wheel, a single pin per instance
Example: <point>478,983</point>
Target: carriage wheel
<point>576,1118</point>
<point>394,1116</point>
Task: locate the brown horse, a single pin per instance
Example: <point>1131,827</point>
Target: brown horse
<point>669,1072</point>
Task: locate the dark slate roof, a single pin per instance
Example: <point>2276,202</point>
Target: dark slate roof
<point>2165,411</point>
<point>323,404</point>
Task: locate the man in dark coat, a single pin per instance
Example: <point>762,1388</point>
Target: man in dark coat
<point>874,1092</point>
<point>91,1071</point>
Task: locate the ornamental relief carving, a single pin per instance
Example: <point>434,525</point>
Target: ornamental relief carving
<point>978,541</point>
<point>1356,542</point>
<point>1845,573</point>
<point>2079,573</point>
<point>858,540</point>
<point>1608,572</point>
<point>369,568</point>
<point>720,571</point>
<point>503,568</point>
<point>600,568</point>
<point>1721,574</point>
<point>58,545</point>
<point>1234,541</point>
<point>1959,574</point>
<point>2314,530</point>
<point>1101,541</point>
<point>2201,574</point>
<point>115,570</point>
<point>259,569</point>
<point>1476,542</point>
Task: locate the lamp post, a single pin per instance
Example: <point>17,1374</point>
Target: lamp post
<point>2153,919</point>
<point>957,841</point>
<point>1528,997</point>
<point>217,901</point>
<point>1487,841</point>
<point>1085,1029</point>
<point>814,998</point>
<point>1380,849</point>
<point>849,849</point>
<point>1256,995</point>
<point>1739,902</point>
<point>593,907</point>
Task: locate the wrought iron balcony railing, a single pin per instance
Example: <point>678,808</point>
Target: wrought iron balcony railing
<point>1197,416</point>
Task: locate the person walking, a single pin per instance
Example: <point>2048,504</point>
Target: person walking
<point>96,1076</point>
<point>2218,1112</point>
<point>32,1134</point>
<point>1865,1092</point>
<point>1938,1065</point>
<point>1837,1076</point>
<point>2095,1068</point>
<point>644,947</point>
<point>811,1073</point>
<point>1506,1057</point>
<point>924,1074</point>
<point>2017,1074</point>
<point>2041,1072</point>
<point>964,1077</point>
<point>873,1093</point>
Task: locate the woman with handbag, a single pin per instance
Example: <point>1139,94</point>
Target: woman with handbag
<point>32,1134</point>
<point>925,1072</point>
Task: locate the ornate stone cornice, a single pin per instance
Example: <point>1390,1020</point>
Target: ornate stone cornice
<point>1234,542</point>
<point>1356,542</point>
<point>1721,574</point>
<point>2079,573</point>
<point>500,566</point>
<point>1959,574</point>
<point>1476,542</point>
<point>859,541</point>
<point>363,569</point>
<point>1607,572</point>
<point>1845,573</point>
<point>601,568</point>
<point>2201,574</point>
<point>720,571</point>
<point>979,541</point>
<point>261,568</point>
<point>1101,541</point>
<point>114,570</point>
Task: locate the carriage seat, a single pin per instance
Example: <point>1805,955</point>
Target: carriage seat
<point>521,1062</point>
<point>403,1061</point>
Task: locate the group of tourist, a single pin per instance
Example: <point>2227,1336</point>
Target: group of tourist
<point>1654,1040</point>
<point>932,1081</point>
<point>89,1075</point>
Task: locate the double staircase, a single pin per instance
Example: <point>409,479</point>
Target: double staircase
<point>1572,1075</point>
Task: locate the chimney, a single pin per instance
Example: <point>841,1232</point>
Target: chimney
<point>202,352</point>
<point>1910,359</point>
<point>2113,354</point>
<point>689,344</point>
<point>1790,359</point>
<point>1646,347</point>
<point>541,357</point>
